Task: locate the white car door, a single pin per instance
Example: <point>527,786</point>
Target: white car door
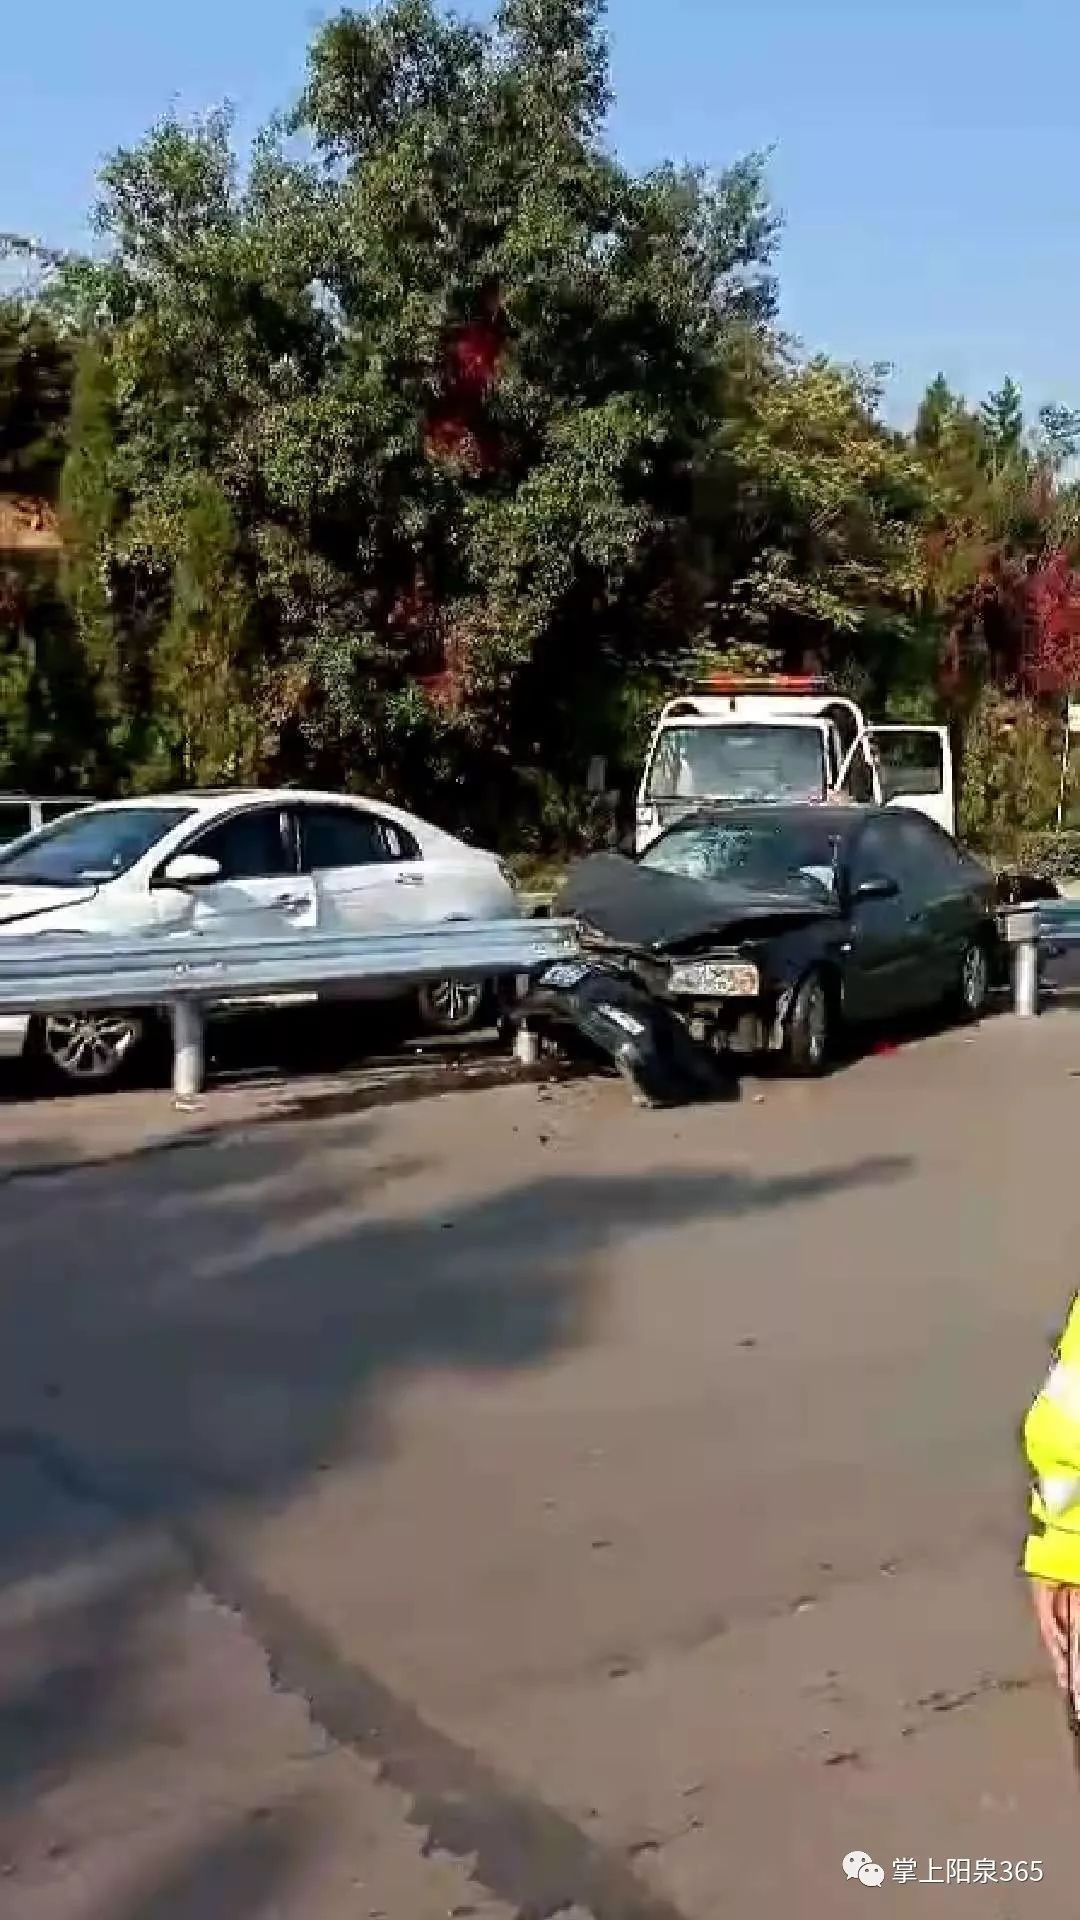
<point>367,871</point>
<point>259,894</point>
<point>903,766</point>
<point>915,768</point>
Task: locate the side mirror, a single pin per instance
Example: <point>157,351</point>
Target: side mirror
<point>190,870</point>
<point>876,886</point>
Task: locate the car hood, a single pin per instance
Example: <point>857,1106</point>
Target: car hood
<point>638,906</point>
<point>22,907</point>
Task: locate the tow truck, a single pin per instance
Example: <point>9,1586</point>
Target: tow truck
<point>786,737</point>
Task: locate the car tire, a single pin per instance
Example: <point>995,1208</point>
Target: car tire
<point>453,1006</point>
<point>811,1027</point>
<point>972,989</point>
<point>89,1052</point>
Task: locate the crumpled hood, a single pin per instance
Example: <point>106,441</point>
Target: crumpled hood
<point>22,907</point>
<point>642,907</point>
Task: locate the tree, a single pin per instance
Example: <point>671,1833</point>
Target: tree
<point>1002,419</point>
<point>814,511</point>
<point>1050,663</point>
<point>1051,658</point>
<point>35,394</point>
<point>428,444</point>
<point>439,392</point>
<point>43,706</point>
<point>939,410</point>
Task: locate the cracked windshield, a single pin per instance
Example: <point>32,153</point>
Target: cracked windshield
<point>768,853</point>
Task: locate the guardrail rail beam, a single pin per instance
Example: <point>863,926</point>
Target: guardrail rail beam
<point>188,974</point>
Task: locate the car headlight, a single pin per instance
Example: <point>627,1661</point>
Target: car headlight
<point>715,979</point>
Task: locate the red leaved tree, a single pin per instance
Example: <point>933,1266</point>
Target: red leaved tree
<point>1050,661</point>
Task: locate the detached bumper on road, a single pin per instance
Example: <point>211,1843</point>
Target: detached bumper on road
<point>647,1042</point>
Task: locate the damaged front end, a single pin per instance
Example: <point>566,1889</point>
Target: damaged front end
<point>599,1000</point>
<point>676,976</point>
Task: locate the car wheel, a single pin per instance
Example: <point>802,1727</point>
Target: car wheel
<point>974,985</point>
<point>810,1027</point>
<point>452,1006</point>
<point>90,1049</point>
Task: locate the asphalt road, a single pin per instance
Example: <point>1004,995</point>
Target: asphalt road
<point>517,1503</point>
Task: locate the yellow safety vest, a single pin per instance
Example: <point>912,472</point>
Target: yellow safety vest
<point>1052,1445</point>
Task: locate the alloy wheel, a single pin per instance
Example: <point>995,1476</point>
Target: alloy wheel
<point>452,1004</point>
<point>975,978</point>
<point>90,1046</point>
<point>816,1019</point>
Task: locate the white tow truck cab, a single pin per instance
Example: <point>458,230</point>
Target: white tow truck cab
<point>786,738</point>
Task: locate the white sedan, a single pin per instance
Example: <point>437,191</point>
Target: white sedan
<point>238,863</point>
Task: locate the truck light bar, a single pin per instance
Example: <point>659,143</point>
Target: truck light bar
<point>762,683</point>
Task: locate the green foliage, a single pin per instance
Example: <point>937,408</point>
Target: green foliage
<point>817,510</point>
<point>45,722</point>
<point>1010,772</point>
<point>207,680</point>
<point>1049,854</point>
<point>35,393</point>
<point>1002,419</point>
<point>291,493</point>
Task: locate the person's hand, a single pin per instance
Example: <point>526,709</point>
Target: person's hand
<point>1052,1614</point>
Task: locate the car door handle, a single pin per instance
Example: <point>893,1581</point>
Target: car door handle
<point>408,880</point>
<point>290,902</point>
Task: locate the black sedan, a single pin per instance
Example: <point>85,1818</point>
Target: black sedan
<point>766,928</point>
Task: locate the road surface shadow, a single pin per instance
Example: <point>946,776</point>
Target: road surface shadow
<point>239,1874</point>
<point>190,1337</point>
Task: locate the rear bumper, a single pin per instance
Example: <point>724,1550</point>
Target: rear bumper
<point>14,1028</point>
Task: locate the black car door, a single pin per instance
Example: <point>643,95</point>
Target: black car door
<point>946,897</point>
<point>926,890</point>
<point>885,966</point>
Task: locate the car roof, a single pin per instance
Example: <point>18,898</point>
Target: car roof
<point>842,818</point>
<point>221,799</point>
<point>722,716</point>
<point>215,803</point>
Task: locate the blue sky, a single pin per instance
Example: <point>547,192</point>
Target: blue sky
<point>924,152</point>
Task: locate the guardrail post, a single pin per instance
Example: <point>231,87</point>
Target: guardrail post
<point>526,1045</point>
<point>189,1064</point>
<point>1022,936</point>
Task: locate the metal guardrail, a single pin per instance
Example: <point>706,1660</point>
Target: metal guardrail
<point>188,972</point>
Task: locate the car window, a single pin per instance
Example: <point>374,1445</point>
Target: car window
<point>909,763</point>
<point>755,761</point>
<point>933,861</point>
<point>333,837</point>
<point>85,848</point>
<point>923,861</point>
<point>15,820</point>
<point>877,851</point>
<point>249,846</point>
<point>400,845</point>
<point>59,809</point>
